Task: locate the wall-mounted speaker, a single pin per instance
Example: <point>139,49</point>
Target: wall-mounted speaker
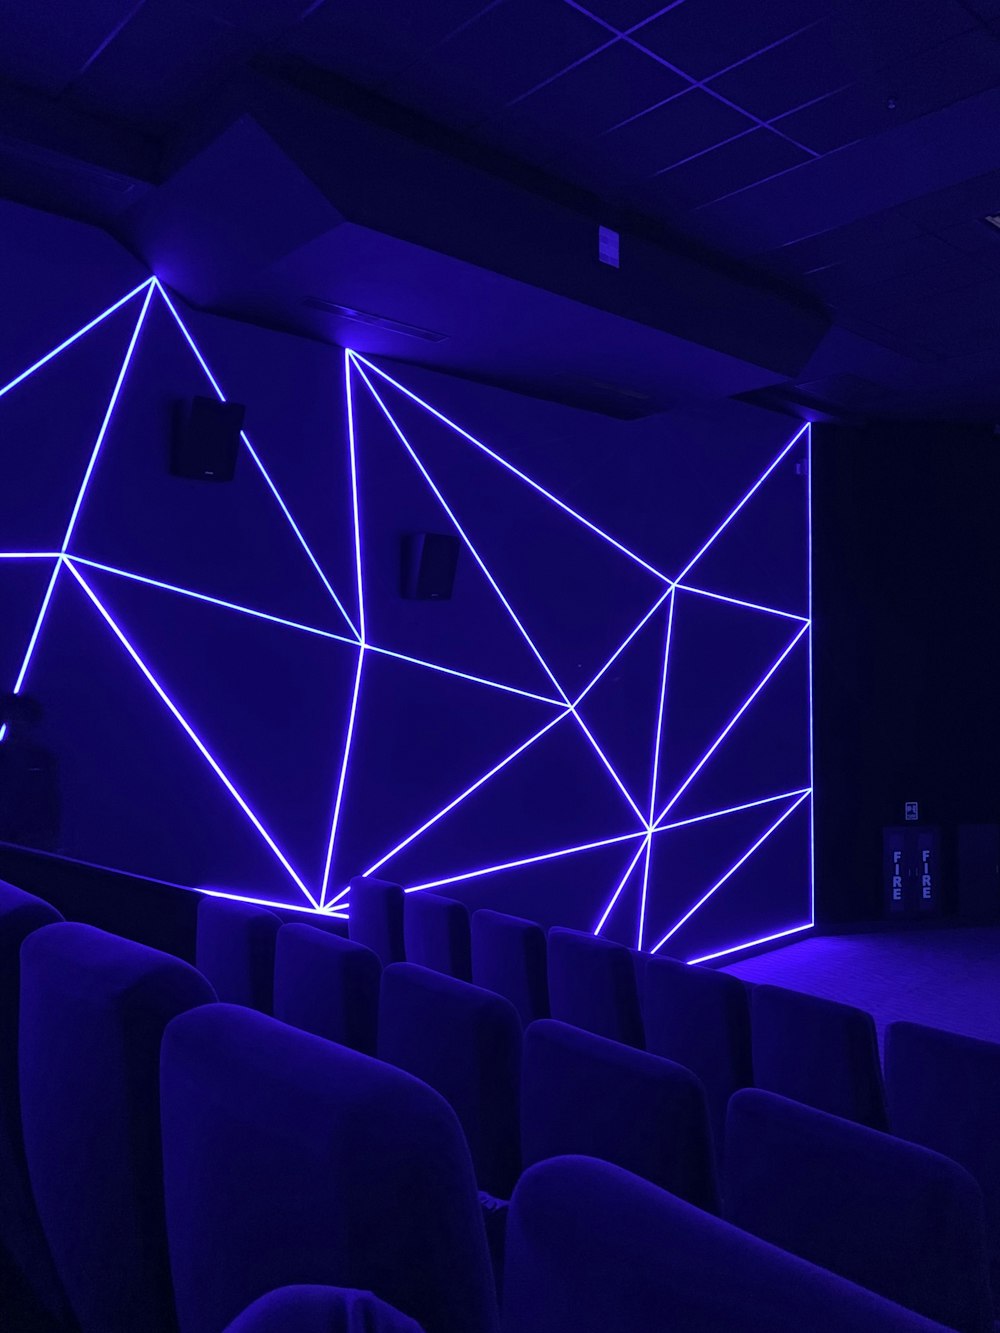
<point>206,440</point>
<point>428,564</point>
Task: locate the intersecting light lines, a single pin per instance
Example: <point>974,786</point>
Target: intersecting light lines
<point>729,873</point>
<point>189,730</point>
<point>256,458</point>
<point>91,464</point>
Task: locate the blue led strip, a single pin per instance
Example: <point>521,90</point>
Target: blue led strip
<point>622,882</point>
<point>812,775</point>
<point>730,872</point>
<point>464,875</point>
<point>750,944</point>
<point>189,731</point>
<point>256,458</point>
<point>561,504</point>
<point>496,587</point>
<point>91,464</point>
<point>656,767</point>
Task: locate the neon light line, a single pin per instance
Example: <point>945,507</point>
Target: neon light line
<point>255,902</point>
<point>727,729</point>
<point>343,777</point>
<point>354,492</point>
<point>106,422</point>
<point>92,463</point>
<point>625,879</point>
<point>462,533</point>
<point>377,865</point>
<point>729,873</point>
<point>29,555</point>
<point>464,675</point>
<point>733,809</point>
<point>764,939</point>
<point>656,768</point>
<point>525,861</point>
<point>496,587</point>
<point>216,601</point>
<point>812,776</point>
<point>256,458</point>
<point>561,504</point>
<point>736,601</point>
<point>68,342</point>
<point>188,729</point>
<point>732,514</point>
<point>622,646</point>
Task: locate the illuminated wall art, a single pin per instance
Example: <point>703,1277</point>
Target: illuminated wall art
<point>588,733</point>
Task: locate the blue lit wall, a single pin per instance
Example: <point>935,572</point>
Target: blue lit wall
<point>607,726</point>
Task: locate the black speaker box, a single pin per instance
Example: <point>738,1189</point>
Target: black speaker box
<point>429,560</point>
<point>206,439</point>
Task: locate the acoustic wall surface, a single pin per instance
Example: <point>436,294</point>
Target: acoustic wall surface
<point>606,726</point>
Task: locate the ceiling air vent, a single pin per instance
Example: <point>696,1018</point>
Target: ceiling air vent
<point>374,321</point>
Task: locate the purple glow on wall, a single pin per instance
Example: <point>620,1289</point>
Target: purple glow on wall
<point>636,903</point>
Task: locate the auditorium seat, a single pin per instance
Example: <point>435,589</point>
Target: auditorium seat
<point>508,957</point>
<point>327,985</point>
<point>944,1093</point>
<point>234,949</point>
<point>585,1095</point>
<point>289,1159</point>
<point>819,1052</point>
<point>321,1310</point>
<point>592,985</point>
<point>376,918</point>
<point>897,1219</point>
<point>594,1249</point>
<point>93,1010</point>
<point>31,1281</point>
<point>464,1042</point>
<point>701,1019</point>
<point>436,934</point>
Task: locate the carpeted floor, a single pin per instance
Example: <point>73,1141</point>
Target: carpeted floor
<point>947,977</point>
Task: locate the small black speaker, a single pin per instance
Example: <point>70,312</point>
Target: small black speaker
<point>206,439</point>
<point>428,567</point>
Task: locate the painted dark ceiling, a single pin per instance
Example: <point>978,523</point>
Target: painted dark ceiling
<point>839,155</point>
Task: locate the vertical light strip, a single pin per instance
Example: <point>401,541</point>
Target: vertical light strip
<point>257,460</point>
<point>355,506</point>
<point>729,873</point>
<point>812,775</point>
<point>656,766</point>
<point>92,463</point>
<point>732,514</point>
<point>68,342</point>
<point>727,729</point>
<point>624,880</point>
<point>187,728</point>
<point>560,504</point>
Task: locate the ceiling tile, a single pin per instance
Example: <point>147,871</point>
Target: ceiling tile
<point>507,51</point>
<point>682,127</point>
<point>703,37</point>
<point>805,67</point>
<point>625,14</point>
<point>44,46</point>
<point>903,91</point>
<point>753,157</point>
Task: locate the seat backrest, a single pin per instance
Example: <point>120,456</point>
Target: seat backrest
<point>818,1052</point>
<point>900,1220</point>
<point>592,985</point>
<point>234,949</point>
<point>21,1235</point>
<point>290,1159</point>
<point>588,1096</point>
<point>327,985</point>
<point>376,918</point>
<point>93,1011</point>
<point>321,1310</point>
<point>701,1019</point>
<point>436,934</point>
<point>592,1248</point>
<point>944,1093</point>
<point>464,1042</point>
<point>508,957</point>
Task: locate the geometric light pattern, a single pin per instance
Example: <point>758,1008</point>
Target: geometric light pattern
<point>669,875</point>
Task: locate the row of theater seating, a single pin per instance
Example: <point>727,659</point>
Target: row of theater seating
<point>165,1160</point>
